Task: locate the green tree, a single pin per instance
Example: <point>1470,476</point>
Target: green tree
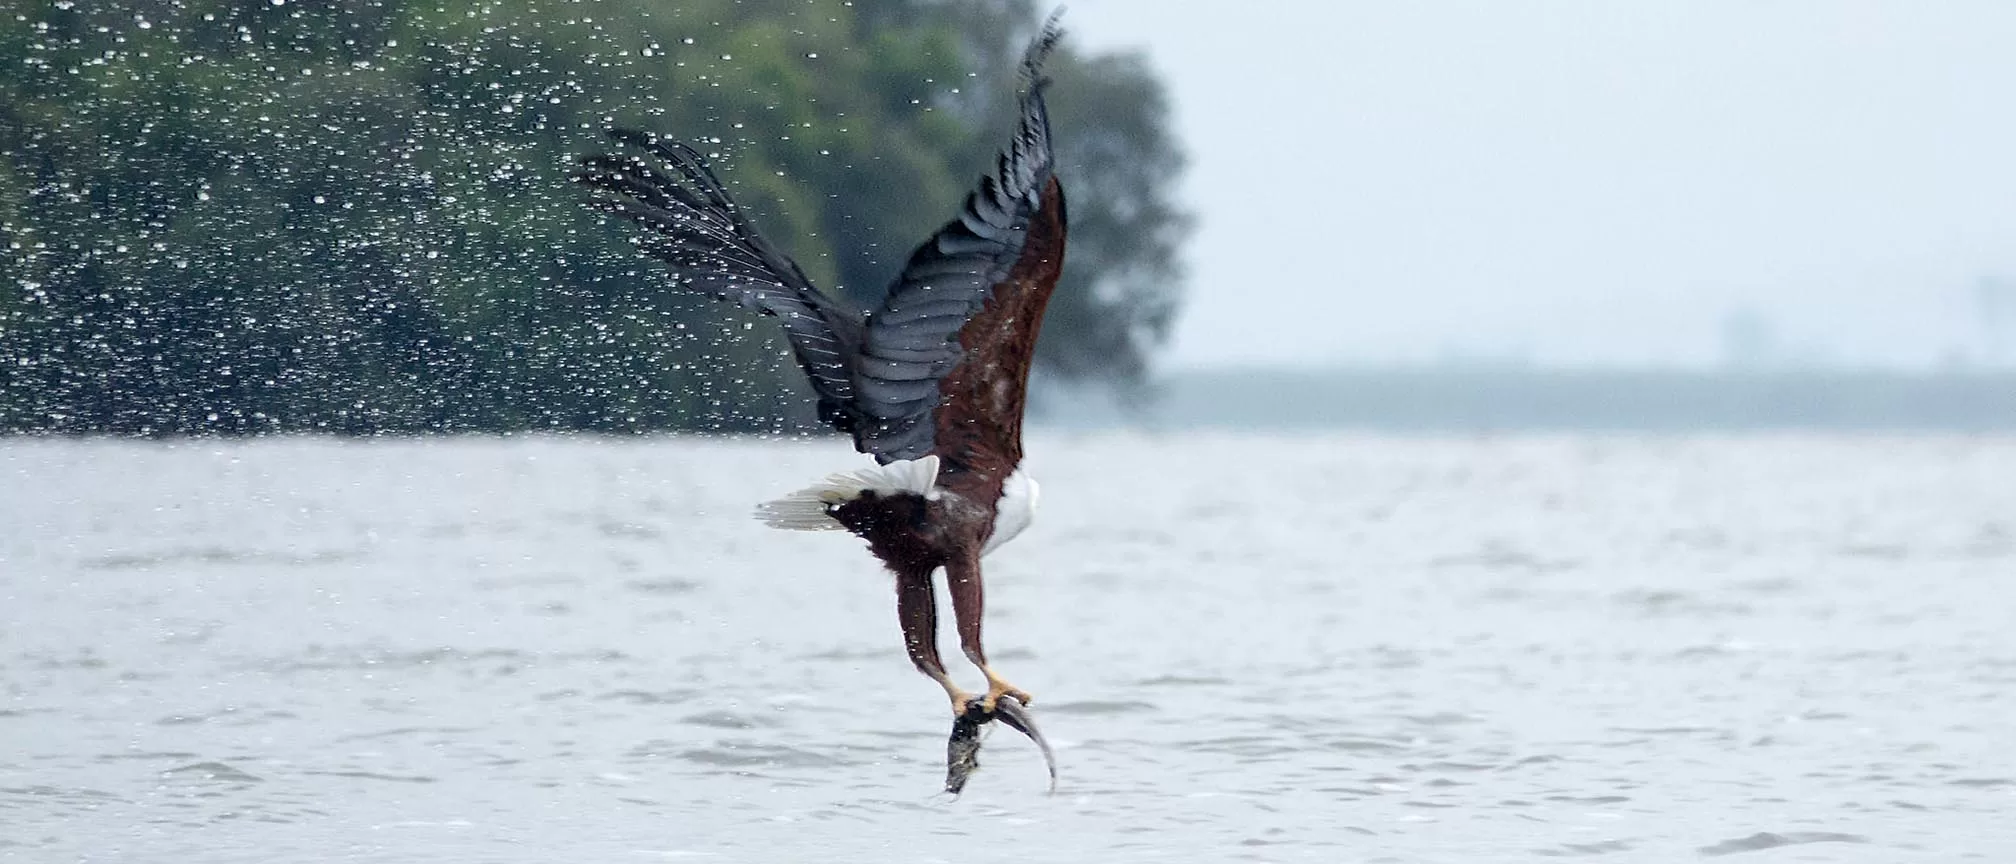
<point>224,216</point>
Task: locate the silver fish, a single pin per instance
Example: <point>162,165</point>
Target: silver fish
<point>962,750</point>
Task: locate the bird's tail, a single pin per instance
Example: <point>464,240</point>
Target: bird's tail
<point>810,508</point>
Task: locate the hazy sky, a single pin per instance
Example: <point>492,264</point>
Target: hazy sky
<point>1584,182</point>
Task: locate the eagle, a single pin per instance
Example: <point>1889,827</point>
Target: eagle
<point>931,383</point>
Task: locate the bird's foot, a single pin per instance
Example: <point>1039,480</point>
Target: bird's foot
<point>997,688</point>
<point>961,700</point>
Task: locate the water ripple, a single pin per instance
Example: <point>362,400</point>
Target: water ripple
<point>210,772</point>
<point>1767,840</point>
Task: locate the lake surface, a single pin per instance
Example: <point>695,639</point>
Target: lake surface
<point>1292,648</point>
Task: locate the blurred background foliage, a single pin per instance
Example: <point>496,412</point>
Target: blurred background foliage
<point>353,215</point>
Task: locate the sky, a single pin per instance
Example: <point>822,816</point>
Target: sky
<point>1586,183</point>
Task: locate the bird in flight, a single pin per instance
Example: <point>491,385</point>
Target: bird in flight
<point>931,383</point>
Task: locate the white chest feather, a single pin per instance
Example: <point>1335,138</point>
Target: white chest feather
<point>1015,511</point>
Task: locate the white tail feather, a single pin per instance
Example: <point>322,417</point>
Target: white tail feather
<point>805,509</point>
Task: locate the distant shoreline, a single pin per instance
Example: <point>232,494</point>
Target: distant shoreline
<point>1493,398</point>
<point>1443,399</point>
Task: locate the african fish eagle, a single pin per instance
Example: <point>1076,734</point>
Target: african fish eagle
<point>931,384</point>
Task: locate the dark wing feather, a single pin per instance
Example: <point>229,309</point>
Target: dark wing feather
<point>714,249</point>
<point>949,347</point>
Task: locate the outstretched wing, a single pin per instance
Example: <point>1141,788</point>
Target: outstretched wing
<point>714,249</point>
<point>945,363</point>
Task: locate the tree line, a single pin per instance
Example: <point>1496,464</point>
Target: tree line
<point>223,216</point>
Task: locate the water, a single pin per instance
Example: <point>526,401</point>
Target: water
<point>1314,648</point>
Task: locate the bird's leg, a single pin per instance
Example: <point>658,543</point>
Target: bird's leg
<point>968,606</point>
<point>917,609</point>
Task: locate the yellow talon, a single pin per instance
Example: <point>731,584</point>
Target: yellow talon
<point>960,699</point>
<point>998,687</point>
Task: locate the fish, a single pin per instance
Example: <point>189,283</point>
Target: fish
<point>962,748</point>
